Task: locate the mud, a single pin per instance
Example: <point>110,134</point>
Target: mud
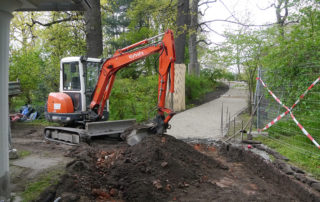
<point>162,168</point>
<point>281,174</point>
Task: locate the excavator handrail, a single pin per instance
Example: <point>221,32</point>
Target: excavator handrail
<point>145,41</point>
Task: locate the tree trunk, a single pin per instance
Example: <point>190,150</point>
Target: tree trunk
<point>194,67</point>
<point>282,5</point>
<point>93,29</point>
<point>182,28</point>
<point>238,61</point>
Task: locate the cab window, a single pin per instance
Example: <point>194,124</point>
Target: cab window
<point>92,73</point>
<point>71,76</point>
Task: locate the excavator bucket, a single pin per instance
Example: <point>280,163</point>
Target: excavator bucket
<point>135,134</point>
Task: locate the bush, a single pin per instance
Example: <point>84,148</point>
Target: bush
<point>134,98</point>
<point>213,74</point>
<point>197,87</point>
<point>138,98</point>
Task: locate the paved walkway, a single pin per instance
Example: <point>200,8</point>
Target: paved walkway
<point>204,121</point>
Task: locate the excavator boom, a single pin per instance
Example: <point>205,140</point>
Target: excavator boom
<point>130,54</point>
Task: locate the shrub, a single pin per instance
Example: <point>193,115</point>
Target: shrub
<point>197,87</point>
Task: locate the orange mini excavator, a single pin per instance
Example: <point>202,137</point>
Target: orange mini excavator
<point>82,103</point>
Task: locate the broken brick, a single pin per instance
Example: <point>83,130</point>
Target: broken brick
<point>164,164</point>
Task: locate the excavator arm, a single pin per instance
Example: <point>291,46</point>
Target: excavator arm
<point>123,57</point>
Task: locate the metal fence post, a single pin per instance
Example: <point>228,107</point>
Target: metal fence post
<point>234,126</point>
<point>258,98</point>
<point>221,127</point>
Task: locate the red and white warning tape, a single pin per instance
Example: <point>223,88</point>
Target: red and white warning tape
<point>290,110</point>
<point>272,94</point>
<point>304,131</point>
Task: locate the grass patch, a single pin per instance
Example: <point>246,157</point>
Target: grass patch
<point>41,122</point>
<point>23,153</point>
<point>243,117</point>
<point>34,189</point>
<point>305,161</point>
<point>286,144</point>
<point>287,139</point>
<point>37,122</point>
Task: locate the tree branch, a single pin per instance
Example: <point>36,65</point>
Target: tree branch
<point>229,11</point>
<point>239,23</point>
<point>71,18</point>
<point>67,19</point>
<point>213,30</point>
<point>203,41</point>
<point>263,9</point>
<point>207,2</point>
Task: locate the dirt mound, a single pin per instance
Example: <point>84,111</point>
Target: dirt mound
<point>158,166</point>
<point>149,171</point>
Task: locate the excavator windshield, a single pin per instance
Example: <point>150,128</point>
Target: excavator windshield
<point>92,70</point>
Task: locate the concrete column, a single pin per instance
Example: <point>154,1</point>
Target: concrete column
<point>7,6</point>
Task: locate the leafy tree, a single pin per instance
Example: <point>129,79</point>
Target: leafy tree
<point>26,66</point>
<point>115,22</point>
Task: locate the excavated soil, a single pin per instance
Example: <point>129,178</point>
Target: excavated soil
<point>162,168</point>
<point>156,169</point>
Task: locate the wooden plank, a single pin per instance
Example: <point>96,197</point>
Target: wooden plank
<point>179,97</point>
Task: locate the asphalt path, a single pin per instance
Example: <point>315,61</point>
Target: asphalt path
<point>204,121</point>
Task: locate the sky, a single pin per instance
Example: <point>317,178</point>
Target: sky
<point>246,11</point>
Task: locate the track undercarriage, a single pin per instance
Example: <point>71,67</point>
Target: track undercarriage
<point>127,130</point>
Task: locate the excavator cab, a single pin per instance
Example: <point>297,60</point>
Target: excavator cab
<point>78,78</point>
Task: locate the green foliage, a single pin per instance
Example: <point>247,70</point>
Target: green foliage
<point>215,74</point>
<point>34,189</point>
<point>291,64</point>
<point>138,98</point>
<point>23,153</point>
<point>197,87</point>
<point>128,21</point>
<point>303,160</point>
<point>134,98</point>
<point>289,55</point>
<point>36,52</point>
<point>26,66</point>
<point>158,15</point>
<point>229,76</point>
<point>114,24</point>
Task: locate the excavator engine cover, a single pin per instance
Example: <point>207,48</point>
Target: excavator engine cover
<point>59,103</point>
